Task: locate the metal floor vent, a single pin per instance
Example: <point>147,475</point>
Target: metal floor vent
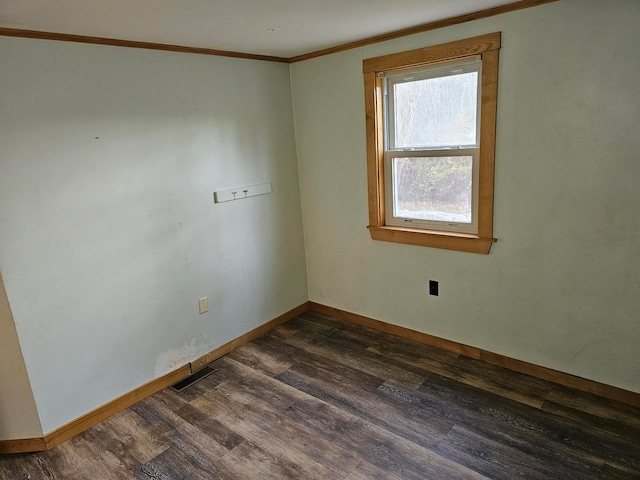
<point>193,378</point>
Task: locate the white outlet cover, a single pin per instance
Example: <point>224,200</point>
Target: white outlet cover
<point>203,305</point>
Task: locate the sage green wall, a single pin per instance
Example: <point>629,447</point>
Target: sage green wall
<point>109,234</point>
<point>560,288</point>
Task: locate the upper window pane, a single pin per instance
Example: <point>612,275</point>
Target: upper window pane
<point>435,112</point>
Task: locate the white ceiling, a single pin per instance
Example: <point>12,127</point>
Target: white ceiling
<point>282,28</point>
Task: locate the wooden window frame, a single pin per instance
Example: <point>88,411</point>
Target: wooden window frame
<point>487,46</point>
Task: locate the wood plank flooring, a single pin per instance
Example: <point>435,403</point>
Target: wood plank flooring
<point>319,398</point>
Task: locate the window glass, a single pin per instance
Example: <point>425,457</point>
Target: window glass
<point>432,142</point>
<point>436,112</point>
<point>433,188</point>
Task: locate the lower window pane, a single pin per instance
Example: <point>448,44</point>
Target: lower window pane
<point>433,188</point>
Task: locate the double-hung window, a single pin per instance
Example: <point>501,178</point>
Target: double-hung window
<point>430,144</point>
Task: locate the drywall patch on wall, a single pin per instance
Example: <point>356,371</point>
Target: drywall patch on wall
<point>18,413</point>
<point>177,357</point>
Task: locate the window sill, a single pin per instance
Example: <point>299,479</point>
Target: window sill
<point>431,238</point>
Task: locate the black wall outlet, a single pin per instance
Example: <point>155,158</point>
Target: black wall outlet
<point>433,287</point>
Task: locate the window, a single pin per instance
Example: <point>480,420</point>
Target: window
<point>430,144</point>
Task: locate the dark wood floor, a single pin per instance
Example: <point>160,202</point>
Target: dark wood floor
<point>319,398</point>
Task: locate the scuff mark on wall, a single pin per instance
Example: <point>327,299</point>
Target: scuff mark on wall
<point>175,358</point>
<point>587,346</point>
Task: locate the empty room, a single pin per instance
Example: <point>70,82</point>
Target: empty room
<point>319,239</point>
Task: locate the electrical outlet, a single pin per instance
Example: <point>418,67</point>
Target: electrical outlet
<point>433,287</point>
<point>203,305</point>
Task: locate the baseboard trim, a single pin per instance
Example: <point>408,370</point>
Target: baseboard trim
<point>64,433</point>
<point>247,337</point>
<point>81,424</point>
<point>88,420</point>
<point>23,445</point>
<point>544,373</point>
<point>102,413</point>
